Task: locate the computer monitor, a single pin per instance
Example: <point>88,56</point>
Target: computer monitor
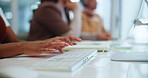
<point>130,11</point>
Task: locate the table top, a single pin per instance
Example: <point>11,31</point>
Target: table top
<point>100,67</point>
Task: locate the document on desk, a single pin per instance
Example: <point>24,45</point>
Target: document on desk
<point>67,62</point>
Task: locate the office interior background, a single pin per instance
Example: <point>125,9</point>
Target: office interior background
<point>19,13</point>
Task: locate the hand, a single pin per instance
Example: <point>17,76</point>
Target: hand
<point>108,35</point>
<point>39,47</point>
<point>71,5</point>
<point>105,36</point>
<point>88,12</point>
<point>67,39</point>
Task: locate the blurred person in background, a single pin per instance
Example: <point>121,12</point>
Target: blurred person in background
<point>11,46</point>
<point>92,26</point>
<point>52,19</point>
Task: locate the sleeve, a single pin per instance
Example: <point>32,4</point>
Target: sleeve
<point>49,17</point>
<point>4,18</point>
<point>75,24</point>
<point>2,29</point>
<point>100,23</point>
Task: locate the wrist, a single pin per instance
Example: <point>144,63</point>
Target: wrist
<point>21,47</point>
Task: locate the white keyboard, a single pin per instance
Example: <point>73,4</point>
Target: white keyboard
<point>99,47</point>
<point>69,61</point>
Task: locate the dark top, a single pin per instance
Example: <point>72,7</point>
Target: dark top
<point>2,29</point>
<point>47,22</point>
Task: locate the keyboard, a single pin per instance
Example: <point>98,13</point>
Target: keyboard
<point>98,47</point>
<point>68,62</point>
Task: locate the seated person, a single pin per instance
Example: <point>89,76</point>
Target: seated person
<point>51,19</point>
<point>13,47</point>
<point>92,27</point>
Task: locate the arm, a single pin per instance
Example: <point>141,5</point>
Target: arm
<point>9,50</point>
<point>49,17</point>
<point>29,48</point>
<point>103,31</point>
<point>10,36</point>
<point>86,34</point>
<point>75,24</point>
<point>36,47</point>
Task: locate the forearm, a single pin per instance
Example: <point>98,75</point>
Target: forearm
<point>75,24</point>
<point>10,36</point>
<point>10,49</point>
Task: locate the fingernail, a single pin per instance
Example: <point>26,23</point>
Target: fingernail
<point>71,44</point>
<point>66,44</point>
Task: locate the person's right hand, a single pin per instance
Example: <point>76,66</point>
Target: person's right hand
<point>39,47</point>
<point>68,39</point>
<point>88,12</point>
<point>71,5</point>
<point>101,36</point>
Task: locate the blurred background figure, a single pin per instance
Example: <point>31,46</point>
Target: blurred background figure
<point>20,12</point>
<point>52,19</point>
<point>92,26</point>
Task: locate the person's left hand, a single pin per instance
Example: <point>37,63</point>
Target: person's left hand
<point>108,35</point>
<point>103,36</point>
<point>71,5</point>
<point>88,12</point>
<point>39,47</point>
<point>68,39</point>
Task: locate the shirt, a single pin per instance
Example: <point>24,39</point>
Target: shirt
<point>2,29</point>
<point>4,18</point>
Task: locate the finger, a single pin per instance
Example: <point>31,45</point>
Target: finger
<point>72,38</point>
<point>68,41</point>
<point>57,40</point>
<point>74,43</point>
<point>47,50</point>
<point>60,49</point>
<point>58,44</point>
<point>53,39</point>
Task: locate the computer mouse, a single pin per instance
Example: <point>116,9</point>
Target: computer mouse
<point>18,72</point>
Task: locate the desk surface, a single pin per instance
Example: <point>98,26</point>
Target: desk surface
<point>100,67</point>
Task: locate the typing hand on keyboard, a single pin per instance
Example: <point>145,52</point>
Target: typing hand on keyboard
<point>67,39</point>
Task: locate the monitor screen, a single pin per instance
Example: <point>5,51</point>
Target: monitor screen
<point>130,10</point>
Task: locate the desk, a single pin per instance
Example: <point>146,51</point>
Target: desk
<point>100,67</point>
